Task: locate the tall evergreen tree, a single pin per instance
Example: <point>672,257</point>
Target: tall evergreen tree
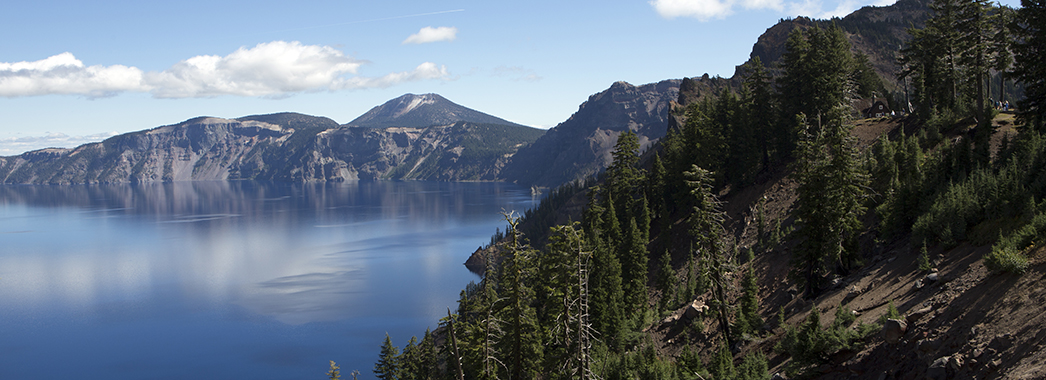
<point>634,259</point>
<point>521,346</point>
<point>666,278</point>
<point>388,365</point>
<point>831,190</point>
<point>607,296</point>
<point>707,232</point>
<point>1029,30</point>
<point>759,105</point>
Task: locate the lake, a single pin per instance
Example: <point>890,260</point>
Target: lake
<point>223,280</point>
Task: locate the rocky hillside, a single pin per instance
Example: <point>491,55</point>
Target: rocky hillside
<point>424,110</point>
<point>876,32</point>
<point>289,147</point>
<point>580,146</point>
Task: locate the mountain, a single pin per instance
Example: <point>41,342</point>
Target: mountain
<point>424,110</point>
<point>285,146</point>
<point>580,146</point>
<point>878,32</point>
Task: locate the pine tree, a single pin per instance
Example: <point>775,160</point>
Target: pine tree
<point>666,278</point>
<point>748,316</point>
<point>521,346</point>
<point>831,189</point>
<point>634,270</point>
<point>706,229</point>
<point>335,372</point>
<point>760,109</point>
<point>1029,30</point>
<point>410,361</point>
<point>387,367</point>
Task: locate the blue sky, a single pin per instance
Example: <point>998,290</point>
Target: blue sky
<point>79,71</point>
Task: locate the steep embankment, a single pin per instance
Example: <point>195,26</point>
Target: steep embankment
<point>963,320</point>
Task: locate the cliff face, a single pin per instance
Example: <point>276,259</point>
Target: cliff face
<point>582,145</point>
<point>289,147</point>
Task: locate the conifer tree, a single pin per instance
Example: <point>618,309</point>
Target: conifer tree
<point>521,346</point>
<point>706,229</point>
<point>410,361</point>
<point>605,279</point>
<point>1029,30</point>
<point>634,259</point>
<point>335,372</point>
<point>666,278</point>
<point>831,190</point>
<point>388,366</point>
<point>748,316</point>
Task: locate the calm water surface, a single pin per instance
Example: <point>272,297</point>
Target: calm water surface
<point>223,280</point>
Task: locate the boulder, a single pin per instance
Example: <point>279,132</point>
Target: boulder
<point>918,314</point>
<point>932,277</point>
<point>894,329</point>
<point>695,309</point>
<point>938,369</point>
<point>955,364</point>
<point>929,345</point>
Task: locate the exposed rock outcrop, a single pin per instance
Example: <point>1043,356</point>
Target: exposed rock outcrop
<point>581,146</point>
<point>289,147</point>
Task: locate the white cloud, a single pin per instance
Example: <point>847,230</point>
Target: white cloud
<point>424,71</point>
<point>705,10</point>
<point>10,146</point>
<point>269,69</point>
<point>64,74</point>
<point>273,69</point>
<point>430,34</point>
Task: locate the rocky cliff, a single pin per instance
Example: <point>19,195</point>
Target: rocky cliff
<point>580,146</point>
<point>289,147</point>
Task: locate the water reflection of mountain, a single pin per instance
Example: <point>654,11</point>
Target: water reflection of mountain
<point>199,201</point>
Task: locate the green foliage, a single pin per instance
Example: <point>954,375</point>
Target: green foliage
<point>335,372</point>
<point>707,232</point>
<point>924,260</point>
<point>388,365</point>
<point>666,278</point>
<point>811,345</point>
<point>753,367</point>
<point>831,188</point>
<point>891,313</point>
<point>1008,254</point>
<point>1029,36</point>
<point>748,320</point>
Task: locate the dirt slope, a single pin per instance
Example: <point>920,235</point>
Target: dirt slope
<point>986,325</point>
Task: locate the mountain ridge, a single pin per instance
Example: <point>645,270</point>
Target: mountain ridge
<point>412,110</point>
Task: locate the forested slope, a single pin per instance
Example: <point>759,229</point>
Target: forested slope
<point>772,233</point>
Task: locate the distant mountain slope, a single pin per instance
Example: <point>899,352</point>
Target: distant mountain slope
<point>424,110</point>
<point>581,146</point>
<point>288,147</point>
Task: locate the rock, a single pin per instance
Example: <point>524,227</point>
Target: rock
<point>929,345</point>
<point>955,364</point>
<point>893,330</point>
<point>918,284</point>
<point>1001,342</point>
<point>938,369</point>
<point>695,309</point>
<point>932,277</point>
<point>918,314</point>
<point>778,376</point>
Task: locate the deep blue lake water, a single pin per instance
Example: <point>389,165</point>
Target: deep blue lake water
<point>224,280</point>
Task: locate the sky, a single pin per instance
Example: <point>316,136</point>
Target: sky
<point>73,72</point>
